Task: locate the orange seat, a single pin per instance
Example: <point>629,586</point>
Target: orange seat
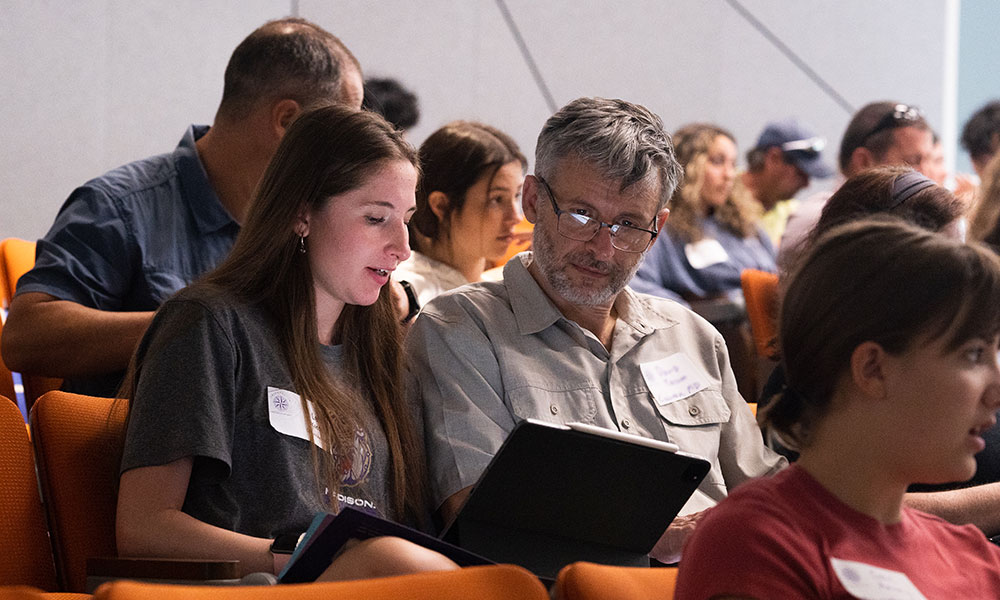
<point>760,291</point>
<point>77,441</point>
<point>496,582</point>
<point>27,556</point>
<point>6,379</point>
<point>16,258</point>
<point>589,581</point>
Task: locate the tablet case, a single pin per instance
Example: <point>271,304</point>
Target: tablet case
<point>328,533</point>
<point>553,495</point>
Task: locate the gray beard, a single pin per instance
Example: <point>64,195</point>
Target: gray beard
<point>545,258</point>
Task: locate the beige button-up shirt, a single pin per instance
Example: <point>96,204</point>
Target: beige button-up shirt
<point>490,354</point>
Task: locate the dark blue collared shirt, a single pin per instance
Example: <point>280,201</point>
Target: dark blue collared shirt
<point>126,241</point>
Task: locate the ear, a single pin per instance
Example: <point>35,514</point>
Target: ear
<point>301,226</point>
<point>868,369</point>
<point>529,199</point>
<point>438,203</point>
<point>283,112</point>
<point>661,218</point>
<point>861,159</point>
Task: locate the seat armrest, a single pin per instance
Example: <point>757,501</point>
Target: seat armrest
<point>171,570</point>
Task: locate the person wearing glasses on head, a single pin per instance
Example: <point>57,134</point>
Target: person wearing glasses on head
<point>786,156</point>
<point>881,133</point>
<point>562,339</point>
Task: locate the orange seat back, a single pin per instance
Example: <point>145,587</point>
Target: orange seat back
<point>589,581</point>
<point>27,556</point>
<point>18,258</point>
<point>760,291</point>
<point>495,582</point>
<point>6,379</point>
<point>77,441</point>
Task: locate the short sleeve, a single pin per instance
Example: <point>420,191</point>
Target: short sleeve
<point>185,399</point>
<point>745,551</point>
<point>88,254</point>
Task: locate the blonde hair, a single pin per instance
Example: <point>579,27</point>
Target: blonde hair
<point>986,214</point>
<point>739,214</point>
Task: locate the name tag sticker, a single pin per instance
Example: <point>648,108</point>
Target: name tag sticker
<point>869,582</point>
<point>673,378</point>
<point>284,410</point>
<point>705,253</point>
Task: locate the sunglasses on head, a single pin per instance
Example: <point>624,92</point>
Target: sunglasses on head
<point>901,116</point>
<point>809,147</point>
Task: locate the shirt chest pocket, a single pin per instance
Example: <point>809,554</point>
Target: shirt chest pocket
<point>706,407</point>
<point>695,425</point>
<point>555,403</point>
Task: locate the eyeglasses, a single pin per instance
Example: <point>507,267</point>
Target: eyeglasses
<point>809,146</point>
<point>901,116</point>
<point>582,228</point>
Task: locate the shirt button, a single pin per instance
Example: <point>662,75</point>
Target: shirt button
<point>626,423</point>
<point>554,409</point>
<point>694,411</point>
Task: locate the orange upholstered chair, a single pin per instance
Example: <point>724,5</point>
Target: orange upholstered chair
<point>760,291</point>
<point>6,379</point>
<point>77,441</point>
<point>27,556</point>
<point>589,581</point>
<point>497,582</point>
<point>16,258</point>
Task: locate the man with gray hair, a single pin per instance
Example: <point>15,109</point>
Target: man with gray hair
<point>562,338</point>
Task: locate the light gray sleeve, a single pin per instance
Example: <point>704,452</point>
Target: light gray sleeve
<point>458,380</point>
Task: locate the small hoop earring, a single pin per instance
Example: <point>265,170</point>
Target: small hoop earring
<point>302,244</point>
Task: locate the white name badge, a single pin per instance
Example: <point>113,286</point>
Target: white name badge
<point>673,378</point>
<point>284,410</point>
<point>705,253</point>
<point>869,582</point>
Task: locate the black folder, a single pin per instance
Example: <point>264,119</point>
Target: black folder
<point>557,494</point>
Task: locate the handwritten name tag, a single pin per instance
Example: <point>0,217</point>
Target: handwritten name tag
<point>705,253</point>
<point>869,582</point>
<point>284,410</point>
<point>673,378</point>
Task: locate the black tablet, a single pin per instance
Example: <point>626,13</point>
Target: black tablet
<point>556,494</point>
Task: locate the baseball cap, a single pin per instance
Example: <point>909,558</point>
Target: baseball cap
<point>800,146</point>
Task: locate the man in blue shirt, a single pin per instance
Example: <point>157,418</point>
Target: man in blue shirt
<point>126,241</point>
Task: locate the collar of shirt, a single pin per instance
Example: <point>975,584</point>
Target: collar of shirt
<point>202,200</point>
<point>535,311</point>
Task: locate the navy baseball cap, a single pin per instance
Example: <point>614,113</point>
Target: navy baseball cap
<point>800,146</point>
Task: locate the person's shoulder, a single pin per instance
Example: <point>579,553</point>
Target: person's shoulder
<point>135,177</point>
<point>209,299</point>
<point>668,312</point>
<point>471,299</point>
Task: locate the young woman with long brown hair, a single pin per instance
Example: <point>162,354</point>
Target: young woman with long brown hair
<point>272,388</point>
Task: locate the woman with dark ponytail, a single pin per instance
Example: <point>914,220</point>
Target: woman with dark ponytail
<point>889,337</point>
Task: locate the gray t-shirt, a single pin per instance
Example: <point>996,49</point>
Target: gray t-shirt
<point>214,385</point>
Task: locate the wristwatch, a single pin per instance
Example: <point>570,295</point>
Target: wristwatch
<point>285,543</point>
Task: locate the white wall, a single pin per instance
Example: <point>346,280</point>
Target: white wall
<point>90,84</point>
